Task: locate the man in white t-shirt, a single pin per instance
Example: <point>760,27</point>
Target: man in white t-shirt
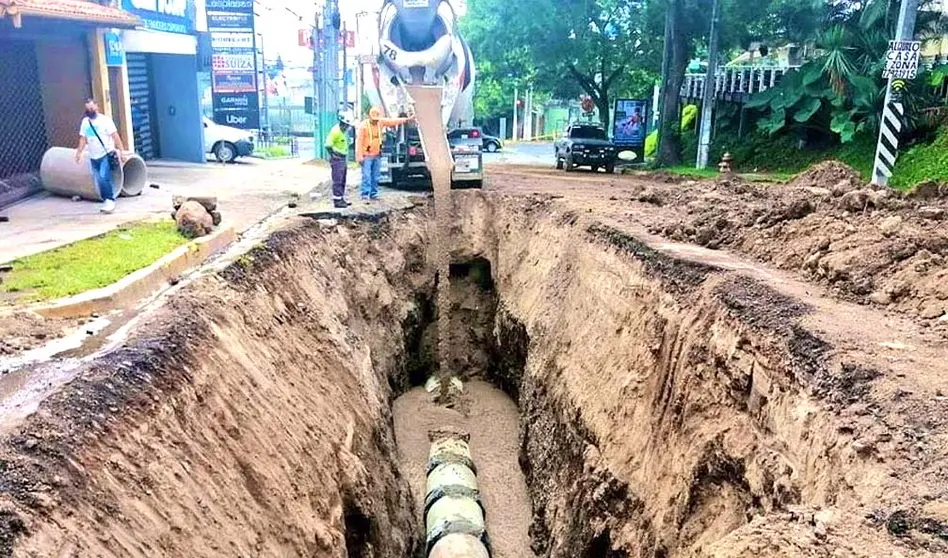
<point>98,135</point>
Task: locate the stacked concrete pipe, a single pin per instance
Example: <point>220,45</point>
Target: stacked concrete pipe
<point>63,176</point>
<point>454,514</point>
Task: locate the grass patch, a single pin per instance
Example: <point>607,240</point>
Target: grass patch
<point>274,151</point>
<point>92,263</point>
<point>709,172</point>
<point>921,162</point>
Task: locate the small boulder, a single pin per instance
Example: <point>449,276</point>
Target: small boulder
<point>890,225</point>
<point>193,220</point>
<point>216,215</point>
<point>855,201</point>
<point>208,202</point>
<point>933,213</point>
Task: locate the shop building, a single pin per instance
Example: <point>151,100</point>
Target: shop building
<point>52,55</point>
<point>160,76</point>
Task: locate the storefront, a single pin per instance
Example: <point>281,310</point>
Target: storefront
<point>50,59</point>
<point>161,69</point>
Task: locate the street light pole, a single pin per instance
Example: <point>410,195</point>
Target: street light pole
<point>707,103</point>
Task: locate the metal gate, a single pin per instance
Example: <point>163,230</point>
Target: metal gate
<point>142,105</point>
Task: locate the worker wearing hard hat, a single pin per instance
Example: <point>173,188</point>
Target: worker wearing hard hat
<point>337,145</point>
<point>369,150</point>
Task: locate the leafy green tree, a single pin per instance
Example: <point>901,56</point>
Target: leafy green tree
<point>561,47</point>
<point>841,89</point>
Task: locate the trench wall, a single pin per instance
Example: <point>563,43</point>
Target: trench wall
<point>668,408</point>
<point>249,416</point>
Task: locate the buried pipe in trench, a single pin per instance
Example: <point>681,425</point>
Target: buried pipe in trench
<point>454,514</point>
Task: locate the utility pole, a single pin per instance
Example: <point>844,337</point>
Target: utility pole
<point>707,104</point>
<point>528,116</point>
<point>893,111</point>
<point>326,71</point>
<point>516,94</point>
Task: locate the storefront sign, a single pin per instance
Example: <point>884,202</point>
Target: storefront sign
<point>170,16</point>
<point>114,51</point>
<point>234,89</point>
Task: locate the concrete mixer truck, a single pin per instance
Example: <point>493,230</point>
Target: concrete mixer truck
<point>419,44</point>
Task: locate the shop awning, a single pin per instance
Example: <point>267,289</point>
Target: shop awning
<point>85,11</point>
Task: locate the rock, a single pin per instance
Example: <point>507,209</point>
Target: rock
<point>823,244</point>
<point>820,192</point>
<point>925,190</point>
<point>704,235</point>
<point>208,202</point>
<point>890,225</point>
<point>881,297</point>
<point>194,220</point>
<point>933,213</point>
<point>216,216</point>
<point>857,200</point>
<point>77,198</point>
<point>932,310</point>
<point>842,187</point>
<point>820,530</point>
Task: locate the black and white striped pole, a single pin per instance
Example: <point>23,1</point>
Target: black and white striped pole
<point>901,64</point>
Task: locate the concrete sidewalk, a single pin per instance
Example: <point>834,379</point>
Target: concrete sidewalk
<point>247,192</point>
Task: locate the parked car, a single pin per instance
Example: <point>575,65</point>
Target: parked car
<point>488,143</point>
<point>226,143</point>
<point>585,145</point>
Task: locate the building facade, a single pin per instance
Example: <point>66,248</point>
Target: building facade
<point>160,80</point>
<point>52,56</point>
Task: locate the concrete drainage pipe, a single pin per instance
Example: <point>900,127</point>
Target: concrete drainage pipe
<point>61,175</point>
<point>454,514</point>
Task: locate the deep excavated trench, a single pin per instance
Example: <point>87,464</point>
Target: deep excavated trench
<point>622,403</point>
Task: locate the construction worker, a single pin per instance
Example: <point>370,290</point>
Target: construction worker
<point>369,150</point>
<point>337,145</point>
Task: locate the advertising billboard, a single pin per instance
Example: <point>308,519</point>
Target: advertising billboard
<point>234,91</point>
<point>630,125</point>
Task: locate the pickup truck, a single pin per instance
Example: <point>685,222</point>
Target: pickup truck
<point>585,145</point>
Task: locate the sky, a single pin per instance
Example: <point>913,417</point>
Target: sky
<point>279,22</point>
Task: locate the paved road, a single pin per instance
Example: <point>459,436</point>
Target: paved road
<point>534,154</point>
<point>247,192</point>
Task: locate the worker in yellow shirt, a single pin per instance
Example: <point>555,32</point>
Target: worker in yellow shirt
<point>369,150</point>
<point>337,146</point>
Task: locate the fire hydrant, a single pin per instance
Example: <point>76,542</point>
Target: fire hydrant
<point>725,165</point>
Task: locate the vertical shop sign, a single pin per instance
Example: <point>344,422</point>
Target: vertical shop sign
<point>234,91</point>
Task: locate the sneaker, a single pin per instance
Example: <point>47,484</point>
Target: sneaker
<point>108,206</point>
<point>340,204</point>
<point>364,198</point>
<point>374,197</point>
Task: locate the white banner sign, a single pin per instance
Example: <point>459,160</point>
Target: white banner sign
<point>901,60</point>
<point>225,40</point>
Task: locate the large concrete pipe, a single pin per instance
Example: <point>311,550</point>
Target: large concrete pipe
<point>61,175</point>
<point>454,514</point>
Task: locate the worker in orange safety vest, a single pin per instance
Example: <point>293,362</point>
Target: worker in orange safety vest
<point>369,150</point>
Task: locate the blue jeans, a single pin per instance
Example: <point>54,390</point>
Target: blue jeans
<point>371,170</point>
<point>102,173</point>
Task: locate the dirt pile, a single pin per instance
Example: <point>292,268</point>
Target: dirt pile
<point>865,244</point>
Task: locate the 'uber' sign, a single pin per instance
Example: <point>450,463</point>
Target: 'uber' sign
<point>173,16</point>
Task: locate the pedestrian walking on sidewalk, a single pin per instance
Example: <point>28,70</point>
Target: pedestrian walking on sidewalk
<point>369,150</point>
<point>98,135</point>
<point>337,145</point>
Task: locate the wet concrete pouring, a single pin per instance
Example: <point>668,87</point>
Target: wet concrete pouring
<point>628,393</point>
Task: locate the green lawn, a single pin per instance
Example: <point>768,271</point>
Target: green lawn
<point>274,151</point>
<point>92,263</point>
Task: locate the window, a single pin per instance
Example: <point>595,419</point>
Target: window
<point>587,132</point>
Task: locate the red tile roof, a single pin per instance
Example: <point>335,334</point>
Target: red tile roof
<point>76,10</point>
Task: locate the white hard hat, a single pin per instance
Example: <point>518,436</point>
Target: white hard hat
<point>346,117</point>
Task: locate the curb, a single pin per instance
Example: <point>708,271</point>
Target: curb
<point>138,285</point>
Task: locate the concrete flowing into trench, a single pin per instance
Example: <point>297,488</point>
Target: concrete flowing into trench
<point>666,408</point>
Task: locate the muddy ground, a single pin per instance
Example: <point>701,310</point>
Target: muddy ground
<point>702,398</point>
<point>856,242</point>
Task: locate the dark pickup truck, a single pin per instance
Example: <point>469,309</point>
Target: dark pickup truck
<point>585,145</point>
